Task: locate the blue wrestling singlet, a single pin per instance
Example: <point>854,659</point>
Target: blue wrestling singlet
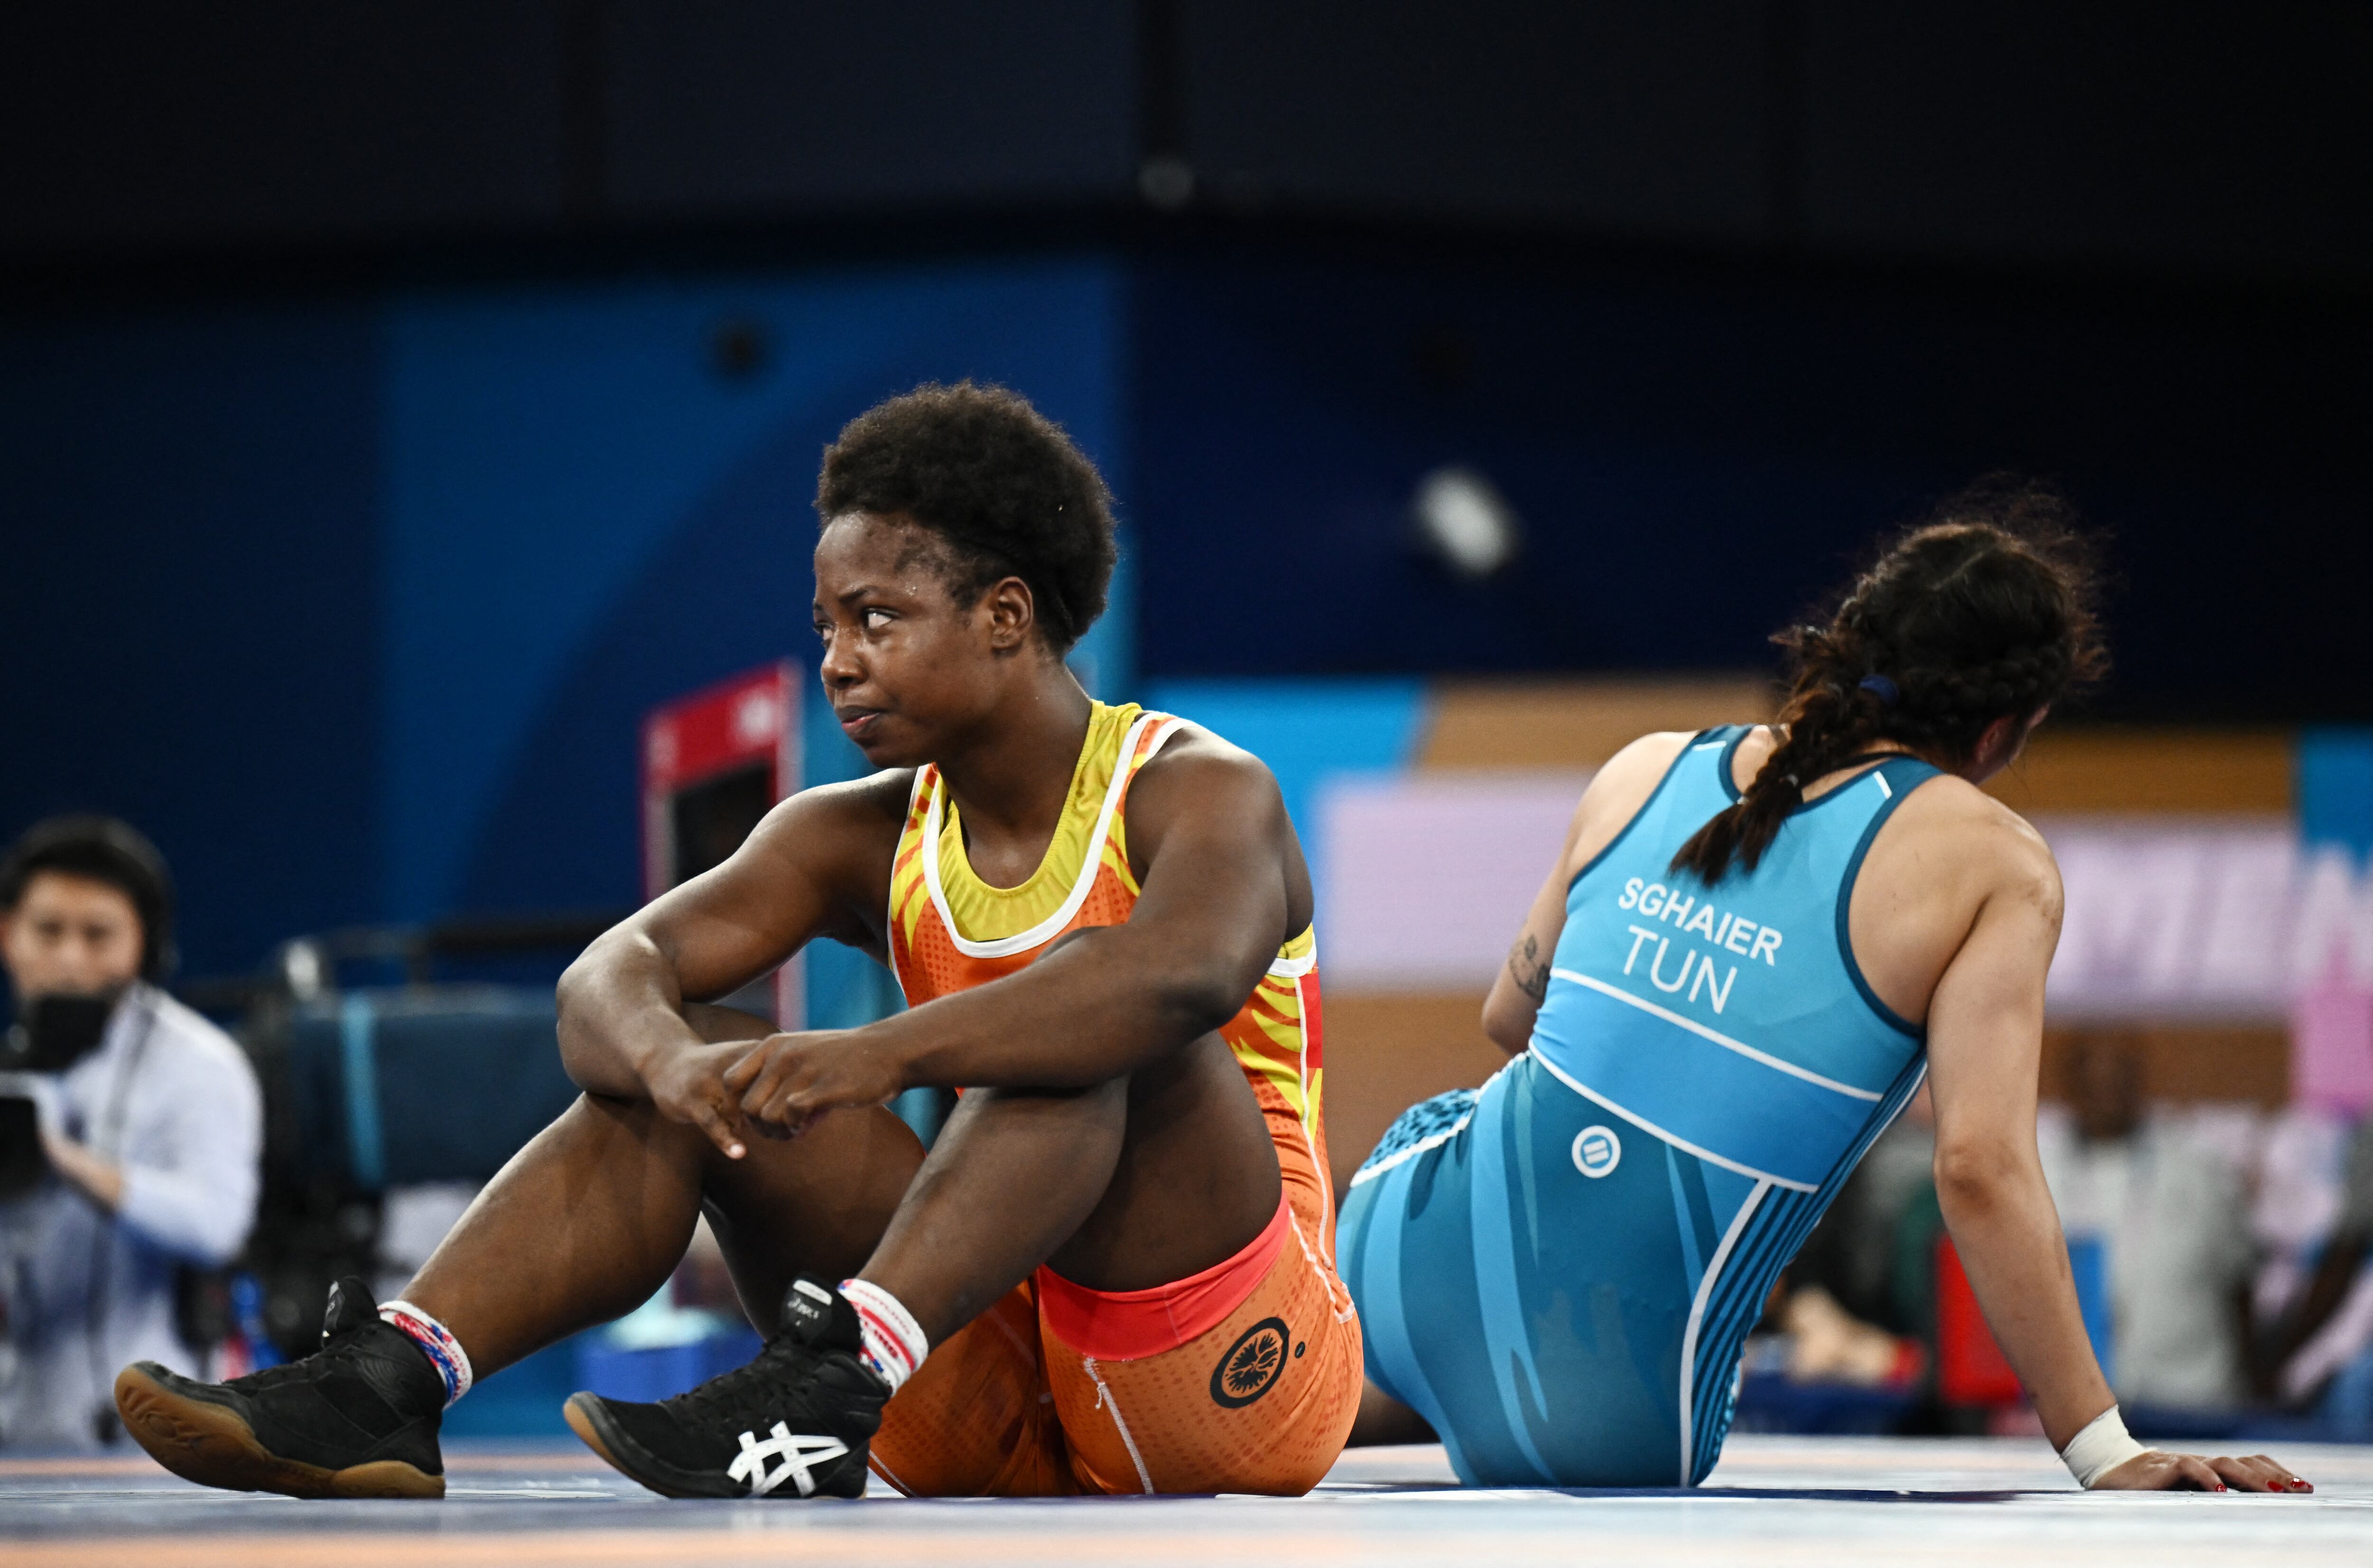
<point>1558,1269</point>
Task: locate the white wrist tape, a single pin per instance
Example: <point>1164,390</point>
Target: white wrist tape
<point>2102,1447</point>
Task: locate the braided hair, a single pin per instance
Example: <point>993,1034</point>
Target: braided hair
<point>1987,609</point>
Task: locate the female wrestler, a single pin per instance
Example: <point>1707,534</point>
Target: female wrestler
<point>1115,1256</point>
<point>1755,944</point>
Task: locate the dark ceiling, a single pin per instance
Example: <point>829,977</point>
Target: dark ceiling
<point>2107,136</point>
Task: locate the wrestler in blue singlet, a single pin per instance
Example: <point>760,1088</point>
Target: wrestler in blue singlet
<point>1558,1269</point>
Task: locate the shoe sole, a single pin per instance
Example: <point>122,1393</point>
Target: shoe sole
<point>586,1418</point>
<point>213,1446</point>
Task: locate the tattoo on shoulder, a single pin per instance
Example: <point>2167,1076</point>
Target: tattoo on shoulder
<point>1528,968</point>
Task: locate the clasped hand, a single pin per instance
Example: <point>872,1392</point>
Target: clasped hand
<point>776,1086</point>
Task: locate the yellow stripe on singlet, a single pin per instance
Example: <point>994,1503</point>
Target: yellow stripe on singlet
<point>985,913</point>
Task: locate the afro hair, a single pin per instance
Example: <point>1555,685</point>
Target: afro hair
<point>1000,485</point>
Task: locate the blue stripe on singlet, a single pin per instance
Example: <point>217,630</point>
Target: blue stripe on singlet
<point>1773,1235</point>
<point>1694,1251</point>
<point>1377,1273</point>
<point>1507,1340</point>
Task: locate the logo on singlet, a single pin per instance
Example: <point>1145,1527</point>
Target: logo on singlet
<point>1596,1151</point>
<point>1252,1366</point>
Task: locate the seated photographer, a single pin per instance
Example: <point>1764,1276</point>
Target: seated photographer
<point>140,1150</point>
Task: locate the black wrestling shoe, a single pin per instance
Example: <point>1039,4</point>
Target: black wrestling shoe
<point>357,1418</point>
<point>803,1411</point>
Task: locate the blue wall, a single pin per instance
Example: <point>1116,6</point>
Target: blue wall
<point>2335,788</point>
<point>191,602</point>
<point>356,604</point>
<point>357,608</point>
<point>1307,731</point>
<point>1698,453</point>
<point>583,519</point>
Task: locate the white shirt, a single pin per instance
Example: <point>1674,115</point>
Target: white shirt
<point>170,1099</point>
<point>2171,1216</point>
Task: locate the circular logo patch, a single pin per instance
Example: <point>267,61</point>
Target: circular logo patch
<point>1596,1151</point>
<point>1252,1366</point>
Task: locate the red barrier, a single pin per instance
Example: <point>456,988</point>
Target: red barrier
<point>1971,1368</point>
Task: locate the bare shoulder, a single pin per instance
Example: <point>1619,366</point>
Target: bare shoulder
<point>1203,789</point>
<point>1195,765</point>
<point>1618,790</point>
<point>1643,764</point>
<point>855,813</point>
<point>1997,849</point>
<point>884,795</point>
<point>1623,785</point>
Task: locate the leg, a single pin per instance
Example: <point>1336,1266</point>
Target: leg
<point>1168,1172</point>
<point>960,1241</point>
<point>1130,1192</point>
<point>1384,1419</point>
<point>972,1415</point>
<point>1125,1185</point>
<point>582,1225</point>
<point>591,1217</point>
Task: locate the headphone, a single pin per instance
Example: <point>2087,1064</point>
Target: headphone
<point>105,849</point>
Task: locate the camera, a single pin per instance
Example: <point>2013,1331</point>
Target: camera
<point>21,1160</point>
<point>54,1033</point>
<point>57,1032</point>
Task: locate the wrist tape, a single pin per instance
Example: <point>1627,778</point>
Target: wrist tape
<point>2102,1447</point>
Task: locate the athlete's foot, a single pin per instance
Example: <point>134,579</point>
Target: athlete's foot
<point>357,1418</point>
<point>802,1413</point>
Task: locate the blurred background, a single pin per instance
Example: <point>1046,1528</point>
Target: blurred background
<point>408,415</point>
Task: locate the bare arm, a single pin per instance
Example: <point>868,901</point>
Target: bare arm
<point>1614,797</point>
<point>1522,982</point>
<point>1985,1034</point>
<point>623,1031</point>
<point>1985,1039</point>
<point>1220,893</point>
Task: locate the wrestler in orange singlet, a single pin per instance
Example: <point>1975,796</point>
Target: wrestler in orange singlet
<point>1112,1273</point>
<point>1184,1388</point>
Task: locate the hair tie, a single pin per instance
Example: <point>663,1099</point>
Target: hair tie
<point>1882,688</point>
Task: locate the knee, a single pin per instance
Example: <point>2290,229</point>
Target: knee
<point>1098,1105</point>
<point>723,1025</point>
<point>612,1115</point>
<point>614,1122</point>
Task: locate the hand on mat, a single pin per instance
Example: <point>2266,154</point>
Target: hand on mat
<point>689,1086</point>
<point>2158,1471</point>
<point>788,1081</point>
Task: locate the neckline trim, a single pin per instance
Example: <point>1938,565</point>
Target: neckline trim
<point>1124,768</point>
<point>1871,765</point>
<point>1038,875</point>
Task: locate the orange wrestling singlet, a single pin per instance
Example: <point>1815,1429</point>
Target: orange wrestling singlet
<point>1244,1377</point>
